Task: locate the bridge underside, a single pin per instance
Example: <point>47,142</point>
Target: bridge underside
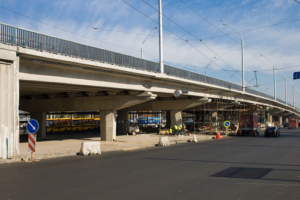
<point>39,82</point>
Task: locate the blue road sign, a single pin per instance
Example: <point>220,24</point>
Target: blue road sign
<point>32,126</point>
<point>296,75</point>
<point>227,124</point>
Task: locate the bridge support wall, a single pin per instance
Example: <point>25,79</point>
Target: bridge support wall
<point>176,117</point>
<point>122,122</point>
<point>40,117</point>
<point>108,125</point>
<point>9,104</point>
<point>280,120</point>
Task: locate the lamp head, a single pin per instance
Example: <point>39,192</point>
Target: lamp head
<point>155,27</point>
<point>222,20</point>
<point>261,55</point>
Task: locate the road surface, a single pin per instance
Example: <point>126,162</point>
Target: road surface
<point>234,168</point>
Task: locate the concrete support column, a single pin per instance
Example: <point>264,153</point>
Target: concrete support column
<point>9,107</point>
<point>270,118</point>
<point>40,117</point>
<point>108,125</point>
<point>122,122</point>
<point>176,117</point>
<point>280,120</point>
<point>286,119</point>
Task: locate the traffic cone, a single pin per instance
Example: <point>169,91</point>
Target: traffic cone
<point>218,136</point>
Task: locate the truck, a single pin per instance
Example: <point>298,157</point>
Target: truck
<point>293,123</point>
<point>248,124</point>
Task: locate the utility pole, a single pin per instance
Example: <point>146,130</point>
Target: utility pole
<point>161,59</point>
<point>285,91</point>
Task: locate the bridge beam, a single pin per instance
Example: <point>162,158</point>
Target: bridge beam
<point>180,104</point>
<point>115,102</point>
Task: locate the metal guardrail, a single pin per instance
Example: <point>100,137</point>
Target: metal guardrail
<point>181,73</point>
<point>33,40</point>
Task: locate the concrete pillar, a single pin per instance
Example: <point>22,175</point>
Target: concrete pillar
<point>40,117</point>
<point>270,118</point>
<point>176,117</point>
<point>108,125</point>
<point>286,119</point>
<point>9,106</point>
<point>122,122</point>
<point>280,120</point>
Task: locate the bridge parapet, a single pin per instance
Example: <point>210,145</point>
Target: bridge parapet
<point>29,39</point>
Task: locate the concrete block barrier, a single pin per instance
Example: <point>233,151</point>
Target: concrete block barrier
<point>164,141</point>
<point>194,139</point>
<point>90,148</point>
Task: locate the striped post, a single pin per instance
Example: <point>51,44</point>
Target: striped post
<point>31,144</point>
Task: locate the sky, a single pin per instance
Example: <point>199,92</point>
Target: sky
<point>268,27</point>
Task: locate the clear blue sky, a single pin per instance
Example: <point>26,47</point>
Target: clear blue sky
<point>123,29</point>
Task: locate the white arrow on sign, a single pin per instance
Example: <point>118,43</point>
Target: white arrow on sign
<point>32,126</point>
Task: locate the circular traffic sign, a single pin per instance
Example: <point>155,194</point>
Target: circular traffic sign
<point>226,124</point>
<point>32,126</point>
<point>176,93</point>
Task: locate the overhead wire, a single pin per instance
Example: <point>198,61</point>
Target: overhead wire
<point>171,32</point>
<point>187,32</point>
<point>128,47</point>
<point>227,34</point>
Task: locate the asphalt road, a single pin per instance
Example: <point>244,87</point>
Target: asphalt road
<point>233,168</point>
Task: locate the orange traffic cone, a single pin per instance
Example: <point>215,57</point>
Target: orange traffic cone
<point>218,136</point>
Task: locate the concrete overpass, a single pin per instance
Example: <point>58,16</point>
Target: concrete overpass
<point>40,73</point>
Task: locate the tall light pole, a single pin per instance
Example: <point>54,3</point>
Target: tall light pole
<point>161,58</point>
<point>209,63</point>
<point>274,76</point>
<point>145,41</point>
<point>293,95</point>
<point>242,51</point>
<point>285,90</point>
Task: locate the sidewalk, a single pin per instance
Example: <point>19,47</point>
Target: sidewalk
<point>62,146</point>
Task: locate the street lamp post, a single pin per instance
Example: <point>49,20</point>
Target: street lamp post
<point>145,41</point>
<point>242,52</point>
<point>209,63</point>
<point>293,95</point>
<point>274,76</point>
<point>285,91</point>
<point>161,60</point>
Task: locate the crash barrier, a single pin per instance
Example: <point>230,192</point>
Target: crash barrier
<point>163,141</point>
<point>194,139</point>
<point>90,148</point>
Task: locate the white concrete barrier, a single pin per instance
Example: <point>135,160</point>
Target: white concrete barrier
<point>194,139</point>
<point>164,141</point>
<point>90,148</point>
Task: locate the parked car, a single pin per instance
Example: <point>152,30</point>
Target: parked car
<point>132,129</point>
<point>272,131</point>
<point>286,124</point>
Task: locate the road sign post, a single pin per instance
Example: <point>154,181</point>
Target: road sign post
<point>32,128</point>
<point>31,144</point>
<point>226,125</point>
